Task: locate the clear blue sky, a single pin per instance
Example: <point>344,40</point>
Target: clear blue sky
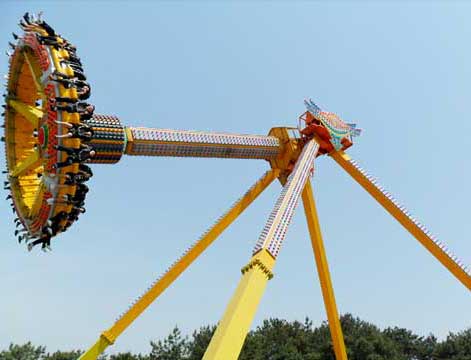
<point>402,72</point>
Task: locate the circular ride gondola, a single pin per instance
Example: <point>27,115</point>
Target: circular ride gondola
<point>47,133</point>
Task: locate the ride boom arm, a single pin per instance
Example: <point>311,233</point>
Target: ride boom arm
<point>184,143</point>
<point>111,140</point>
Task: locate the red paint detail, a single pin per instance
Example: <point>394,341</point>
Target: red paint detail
<point>319,130</point>
<point>314,128</point>
<point>52,126</point>
<point>346,143</point>
<point>39,50</point>
<point>41,136</point>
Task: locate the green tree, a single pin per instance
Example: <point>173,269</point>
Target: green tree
<point>173,347</point>
<point>410,345</point>
<point>63,355</point>
<point>455,347</point>
<point>366,341</point>
<point>199,342</point>
<point>23,352</point>
<point>128,356</point>
<point>279,339</point>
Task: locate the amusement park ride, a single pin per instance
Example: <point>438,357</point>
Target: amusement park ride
<point>52,134</point>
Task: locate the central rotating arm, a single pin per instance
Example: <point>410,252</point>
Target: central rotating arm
<point>184,143</point>
<point>111,140</point>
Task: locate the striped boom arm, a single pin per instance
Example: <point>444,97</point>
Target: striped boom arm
<point>184,143</point>
<point>111,140</point>
<point>277,224</point>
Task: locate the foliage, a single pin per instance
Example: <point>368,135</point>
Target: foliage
<point>455,347</point>
<point>277,339</point>
<point>175,346</point>
<point>23,352</point>
<point>63,355</point>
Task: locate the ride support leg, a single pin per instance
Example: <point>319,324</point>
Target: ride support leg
<point>230,334</point>
<point>323,271</point>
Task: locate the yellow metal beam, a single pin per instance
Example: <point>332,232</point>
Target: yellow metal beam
<point>109,336</point>
<point>97,349</point>
<point>30,162</point>
<point>230,334</point>
<point>30,113</point>
<point>344,161</point>
<point>34,74</point>
<point>323,271</point>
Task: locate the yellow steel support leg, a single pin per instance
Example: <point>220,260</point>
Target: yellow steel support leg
<point>435,248</point>
<point>323,271</point>
<point>229,337</point>
<point>230,334</point>
<point>97,349</point>
<point>109,336</point>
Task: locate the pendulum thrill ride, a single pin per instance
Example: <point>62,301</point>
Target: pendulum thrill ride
<point>52,136</point>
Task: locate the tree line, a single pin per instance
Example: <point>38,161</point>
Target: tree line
<point>277,339</point>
